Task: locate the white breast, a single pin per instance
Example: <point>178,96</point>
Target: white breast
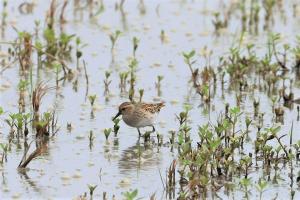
<point>138,122</point>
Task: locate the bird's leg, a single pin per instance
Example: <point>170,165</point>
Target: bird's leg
<point>139,132</point>
<point>153,129</point>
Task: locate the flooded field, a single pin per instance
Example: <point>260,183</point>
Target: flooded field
<point>228,73</point>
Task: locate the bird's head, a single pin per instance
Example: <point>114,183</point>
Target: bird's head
<point>124,109</point>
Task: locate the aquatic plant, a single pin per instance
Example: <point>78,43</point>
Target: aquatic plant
<point>158,84</point>
<point>123,80</point>
<point>141,92</point>
<point>131,195</point>
<point>261,187</point>
<point>26,52</point>
<point>78,51</point>
<point>170,178</point>
<point>92,99</point>
<point>107,132</point>
<point>92,189</point>
<point>188,59</point>
<point>5,149</point>
<point>107,82</point>
<point>116,125</point>
<point>135,42</point>
<point>113,38</point>
<point>218,23</point>
<point>132,66</point>
<point>183,116</point>
<point>41,148</point>
<point>38,93</point>
<point>91,139</point>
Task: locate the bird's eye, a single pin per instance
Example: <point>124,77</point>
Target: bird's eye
<point>123,109</point>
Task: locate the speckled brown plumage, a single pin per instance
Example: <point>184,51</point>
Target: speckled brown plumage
<point>152,107</point>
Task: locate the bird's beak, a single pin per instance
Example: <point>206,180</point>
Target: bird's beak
<point>117,115</point>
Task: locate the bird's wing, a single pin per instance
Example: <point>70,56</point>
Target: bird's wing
<point>152,107</point>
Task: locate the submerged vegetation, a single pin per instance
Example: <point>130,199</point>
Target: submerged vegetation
<point>229,129</point>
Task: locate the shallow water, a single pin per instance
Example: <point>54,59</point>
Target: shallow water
<point>113,165</point>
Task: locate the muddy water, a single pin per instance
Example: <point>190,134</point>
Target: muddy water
<point>114,165</point>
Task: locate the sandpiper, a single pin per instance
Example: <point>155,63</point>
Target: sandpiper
<point>140,114</point>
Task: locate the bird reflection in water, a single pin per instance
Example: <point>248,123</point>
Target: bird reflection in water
<point>140,156</point>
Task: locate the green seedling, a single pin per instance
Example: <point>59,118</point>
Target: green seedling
<point>188,59</point>
<point>65,42</point>
<point>172,137</point>
<point>92,99</point>
<point>235,113</point>
<point>57,67</point>
<point>116,125</point>
<point>147,135</point>
<point>91,138</point>
<point>130,195</point>
<point>246,162</point>
<point>113,38</point>
<point>5,149</point>
<point>23,84</point>
<point>261,187</point>
<point>141,92</point>
<point>135,42</point>
<point>159,79</point>
<point>91,189</point>
<point>107,82</point>
<point>248,122</point>
<point>246,183</point>
<point>183,116</point>
<point>132,66</point>
<point>123,80</point>
<point>204,91</point>
<point>78,51</point>
<point>107,132</point>
<point>42,125</point>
